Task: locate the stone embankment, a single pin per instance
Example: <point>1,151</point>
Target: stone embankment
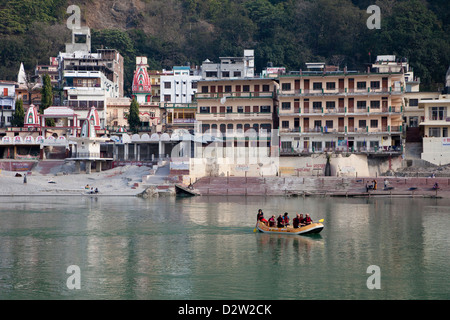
<point>323,186</point>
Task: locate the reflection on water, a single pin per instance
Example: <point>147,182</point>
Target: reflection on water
<point>205,248</point>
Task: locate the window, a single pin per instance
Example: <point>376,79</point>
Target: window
<point>329,144</point>
<point>240,109</point>
<point>285,106</point>
<point>229,109</point>
<point>286,86</point>
<point>194,85</point>
<point>317,105</point>
<point>167,97</point>
<point>375,84</point>
<point>362,124</point>
<point>361,85</point>
<point>317,85</point>
<point>331,85</point>
<point>246,88</point>
<point>361,104</point>
<point>211,74</point>
<point>204,89</point>
<point>225,74</point>
<point>265,109</point>
<point>237,74</point>
<point>445,132</point>
<point>374,144</point>
<point>413,102</point>
<point>331,105</point>
<point>167,85</point>
<point>374,123</point>
<point>329,124</point>
<point>375,104</point>
<point>317,145</point>
<point>285,124</point>
<point>265,88</point>
<point>434,132</point>
<point>438,113</point>
<point>204,109</point>
<point>317,124</point>
<point>227,88</point>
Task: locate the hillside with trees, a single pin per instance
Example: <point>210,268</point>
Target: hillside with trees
<point>285,32</point>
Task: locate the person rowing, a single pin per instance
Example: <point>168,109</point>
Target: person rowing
<point>260,217</point>
<point>308,219</point>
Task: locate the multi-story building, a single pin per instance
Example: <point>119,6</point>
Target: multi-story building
<point>436,127</point>
<point>323,110</point>
<point>7,102</point>
<point>230,67</point>
<point>88,79</point>
<point>155,81</point>
<point>233,105</point>
<point>50,69</point>
<point>178,91</point>
<point>181,86</point>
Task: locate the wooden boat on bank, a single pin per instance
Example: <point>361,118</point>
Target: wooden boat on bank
<point>184,192</point>
<point>314,227</point>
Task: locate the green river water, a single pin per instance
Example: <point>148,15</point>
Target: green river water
<point>205,248</point>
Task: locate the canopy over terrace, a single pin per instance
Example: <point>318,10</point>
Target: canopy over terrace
<point>29,147</point>
<point>150,147</point>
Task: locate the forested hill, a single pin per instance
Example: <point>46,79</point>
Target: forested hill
<point>285,32</point>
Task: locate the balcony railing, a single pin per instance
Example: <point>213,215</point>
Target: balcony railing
<point>343,149</point>
<point>345,130</point>
<point>219,95</point>
<point>344,91</point>
<point>345,110</point>
<point>183,120</point>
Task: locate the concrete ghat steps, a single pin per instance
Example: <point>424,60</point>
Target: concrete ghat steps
<point>316,185</point>
<point>45,167</point>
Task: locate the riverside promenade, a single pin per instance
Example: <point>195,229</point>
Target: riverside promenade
<point>323,186</point>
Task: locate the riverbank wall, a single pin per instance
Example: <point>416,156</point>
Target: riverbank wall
<point>323,186</point>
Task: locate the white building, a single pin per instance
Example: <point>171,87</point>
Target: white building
<point>436,140</point>
<point>88,79</point>
<point>179,87</point>
<point>230,67</point>
<point>7,102</point>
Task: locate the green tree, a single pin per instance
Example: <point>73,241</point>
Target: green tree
<point>133,116</point>
<point>46,94</point>
<point>19,114</point>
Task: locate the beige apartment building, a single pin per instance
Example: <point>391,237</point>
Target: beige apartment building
<point>236,105</point>
<point>436,126</point>
<point>340,111</point>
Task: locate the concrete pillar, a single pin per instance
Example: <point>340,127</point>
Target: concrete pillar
<point>88,166</point>
<point>115,152</point>
<point>161,148</point>
<point>77,166</point>
<point>98,165</point>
